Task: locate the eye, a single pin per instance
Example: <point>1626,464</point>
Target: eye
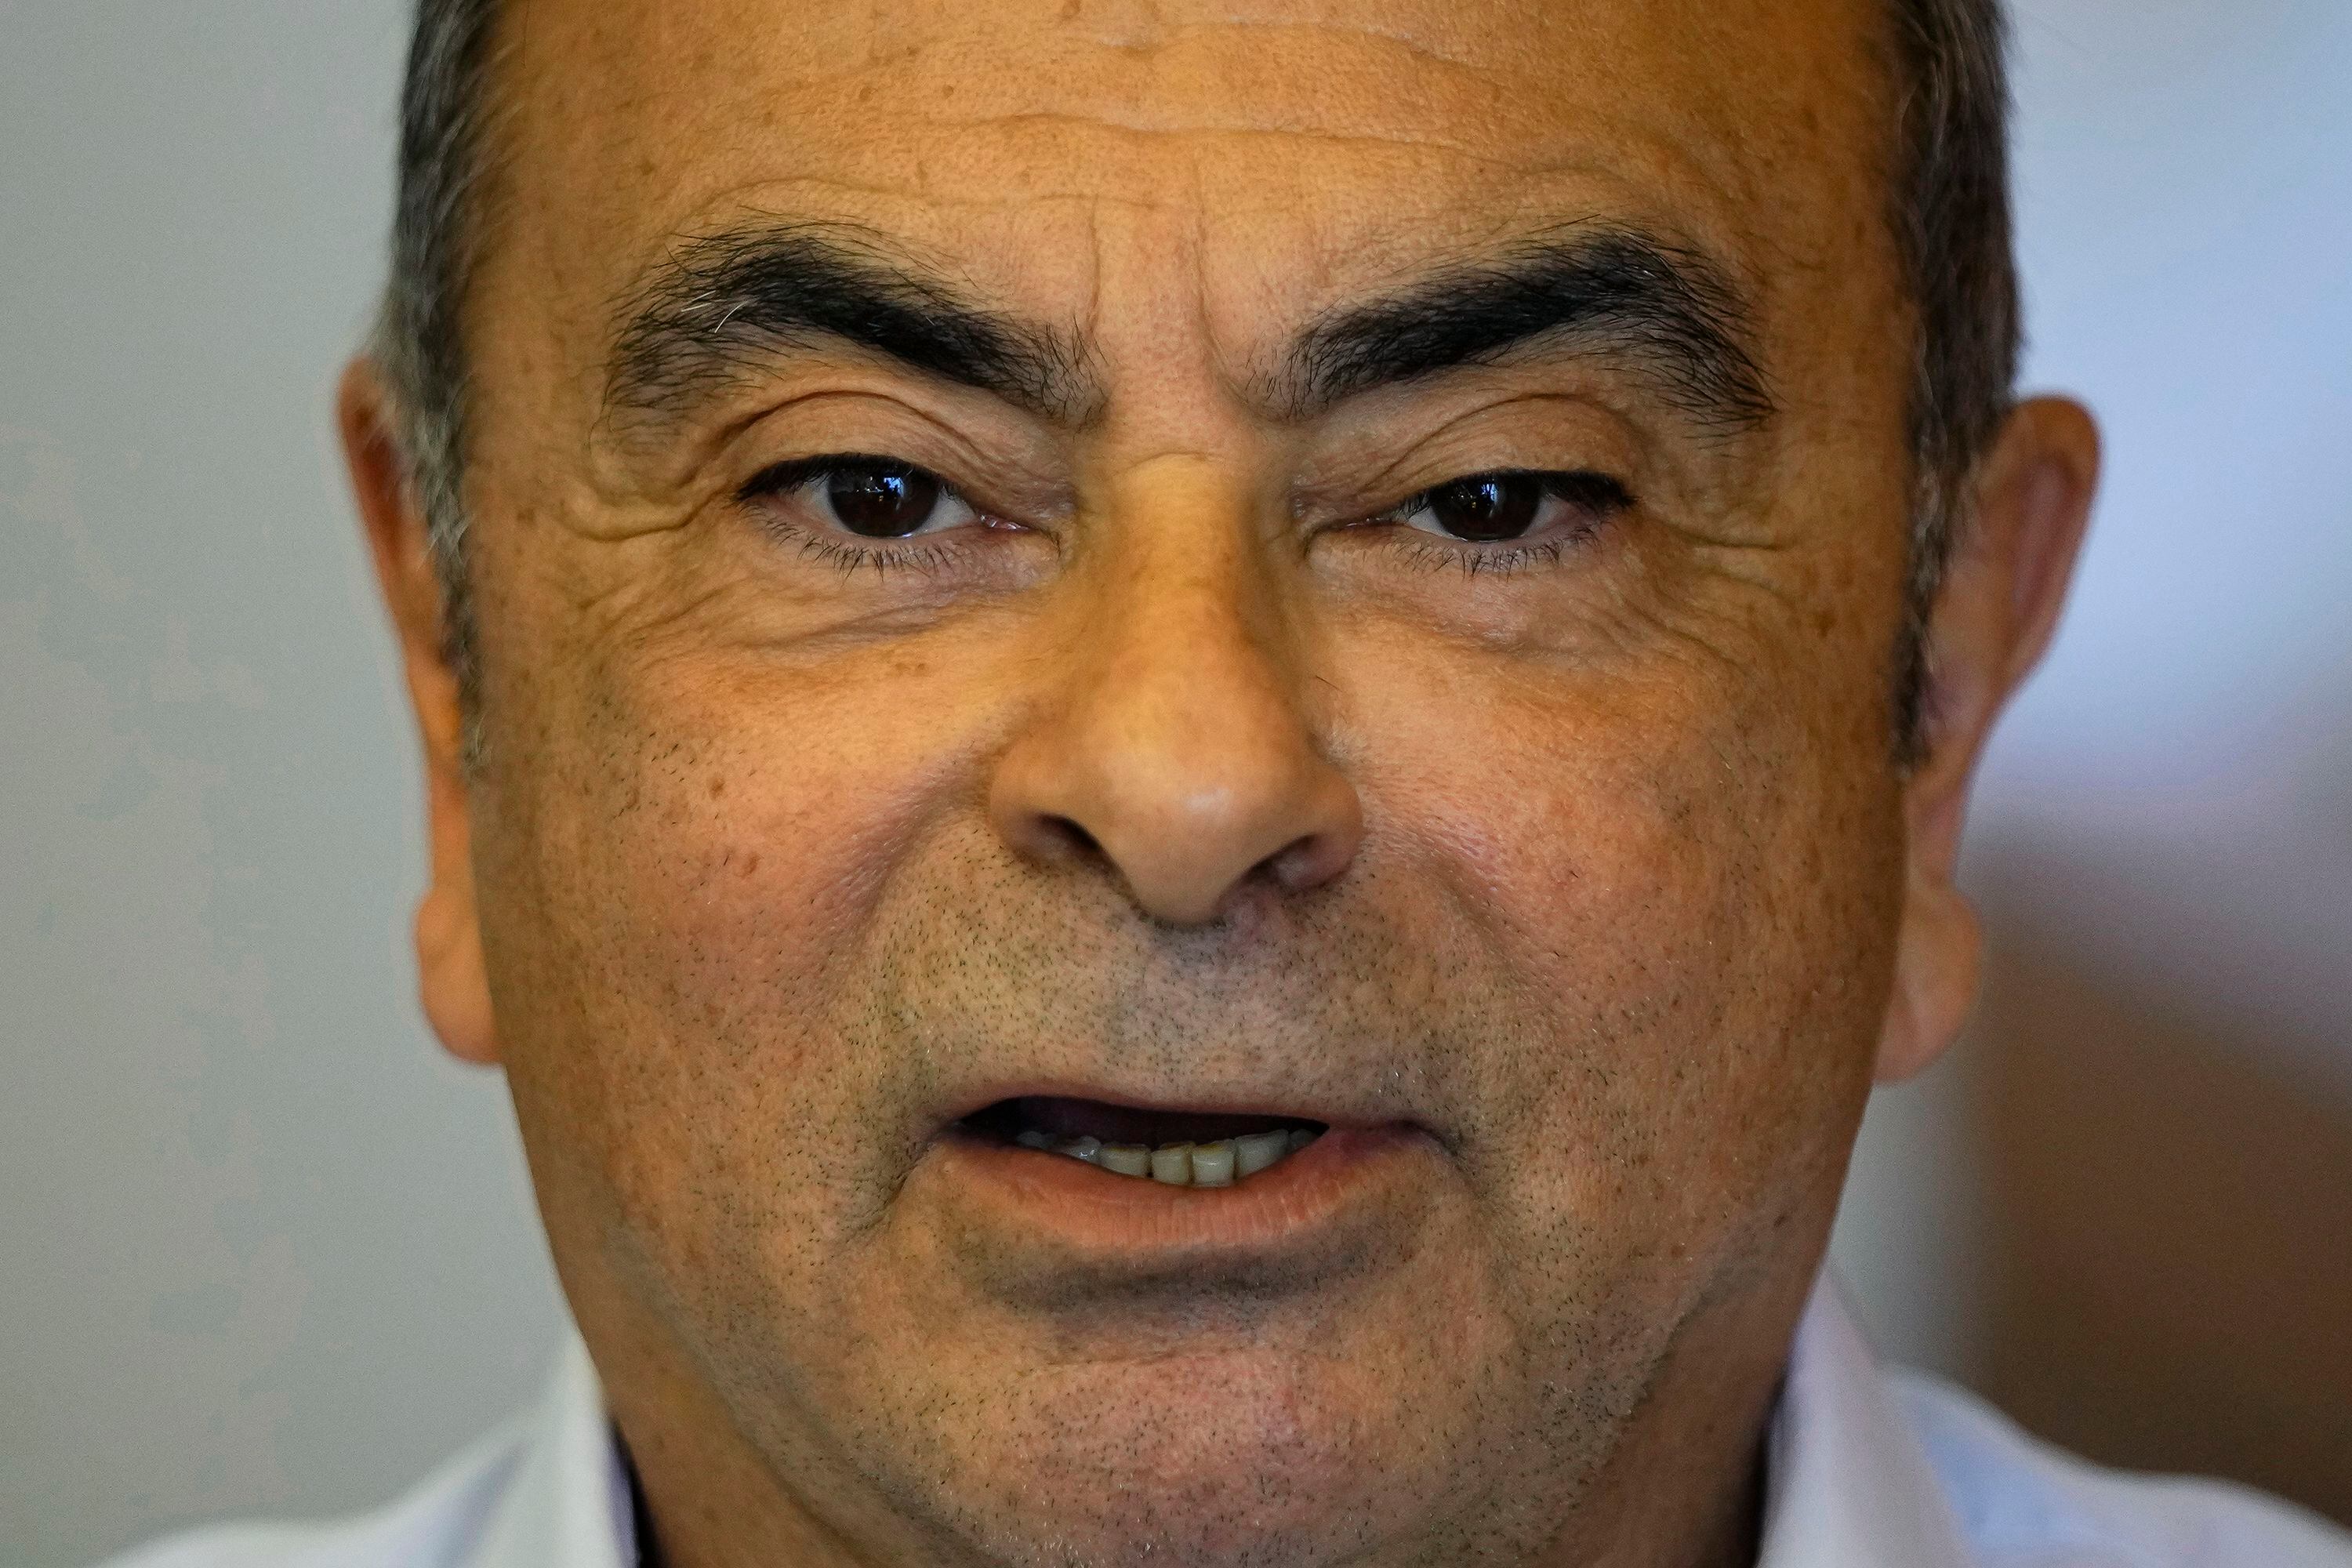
<point>867,498</point>
<point>1490,509</point>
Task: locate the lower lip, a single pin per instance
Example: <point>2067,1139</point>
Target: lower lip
<point>1101,1212</point>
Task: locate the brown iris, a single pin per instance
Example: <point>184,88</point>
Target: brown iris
<point>882,500</point>
<point>1488,506</point>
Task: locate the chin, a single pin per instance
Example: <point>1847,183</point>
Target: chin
<point>1190,1461</point>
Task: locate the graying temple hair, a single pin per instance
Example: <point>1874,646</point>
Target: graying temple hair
<point>1950,217</point>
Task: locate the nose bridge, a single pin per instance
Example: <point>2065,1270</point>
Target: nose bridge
<point>1180,752</point>
<point>1188,634</point>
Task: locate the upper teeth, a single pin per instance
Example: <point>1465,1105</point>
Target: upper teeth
<point>1217,1164</point>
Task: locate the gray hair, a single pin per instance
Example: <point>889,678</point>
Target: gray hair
<point>437,229</point>
<point>1949,215</point>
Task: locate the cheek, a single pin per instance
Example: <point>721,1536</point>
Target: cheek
<point>1690,891</point>
<point>737,861</point>
<point>688,899</point>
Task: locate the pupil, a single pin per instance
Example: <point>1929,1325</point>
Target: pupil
<point>882,503</point>
<point>1495,506</point>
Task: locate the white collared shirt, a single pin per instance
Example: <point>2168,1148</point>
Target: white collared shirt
<point>1865,1469</point>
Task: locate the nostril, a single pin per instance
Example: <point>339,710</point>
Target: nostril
<point>1307,861</point>
<point>1067,834</point>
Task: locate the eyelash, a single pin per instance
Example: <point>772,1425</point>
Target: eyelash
<point>847,556</point>
<point>1425,553</point>
<point>1598,494</point>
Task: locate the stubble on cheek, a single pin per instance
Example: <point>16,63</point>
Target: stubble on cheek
<point>1690,890</point>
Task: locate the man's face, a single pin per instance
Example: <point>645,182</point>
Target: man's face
<point>1208,746</point>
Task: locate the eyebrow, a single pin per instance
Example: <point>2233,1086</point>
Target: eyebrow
<point>1665,309</point>
<point>722,308</point>
<point>719,308</point>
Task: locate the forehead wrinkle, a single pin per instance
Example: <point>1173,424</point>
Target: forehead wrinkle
<point>1166,34</point>
<point>1147,322</point>
<point>1477,54</point>
<point>1169,98</point>
<point>1134,67</point>
<point>1324,135</point>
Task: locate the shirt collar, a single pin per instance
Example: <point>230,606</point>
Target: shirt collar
<point>1846,1483</point>
<point>567,1504</point>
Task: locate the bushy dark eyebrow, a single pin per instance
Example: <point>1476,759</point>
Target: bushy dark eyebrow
<point>720,308</point>
<point>1667,310</point>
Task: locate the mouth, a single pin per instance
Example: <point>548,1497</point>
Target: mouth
<point>1057,1191</point>
<point>1172,1148</point>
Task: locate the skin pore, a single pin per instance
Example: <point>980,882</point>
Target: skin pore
<point>1187,757</point>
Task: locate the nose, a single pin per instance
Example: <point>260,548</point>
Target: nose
<point>1174,749</point>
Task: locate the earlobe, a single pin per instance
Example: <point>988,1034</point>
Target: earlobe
<point>453,983</point>
<point>1936,967</point>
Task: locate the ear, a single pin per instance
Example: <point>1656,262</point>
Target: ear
<point>2001,595</point>
<point>452,980</point>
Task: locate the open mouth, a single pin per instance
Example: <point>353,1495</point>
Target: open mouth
<point>1176,1149</point>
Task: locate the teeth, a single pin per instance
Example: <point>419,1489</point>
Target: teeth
<point>1218,1164</point>
<point>1127,1159</point>
<point>1254,1152</point>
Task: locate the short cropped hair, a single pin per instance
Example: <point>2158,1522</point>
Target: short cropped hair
<point>1949,210</point>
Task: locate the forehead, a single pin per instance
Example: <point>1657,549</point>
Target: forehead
<point>1279,145</point>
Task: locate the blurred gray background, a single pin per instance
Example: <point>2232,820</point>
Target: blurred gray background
<point>263,1248</point>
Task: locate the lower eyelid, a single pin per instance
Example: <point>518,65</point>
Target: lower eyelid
<point>1433,553</point>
